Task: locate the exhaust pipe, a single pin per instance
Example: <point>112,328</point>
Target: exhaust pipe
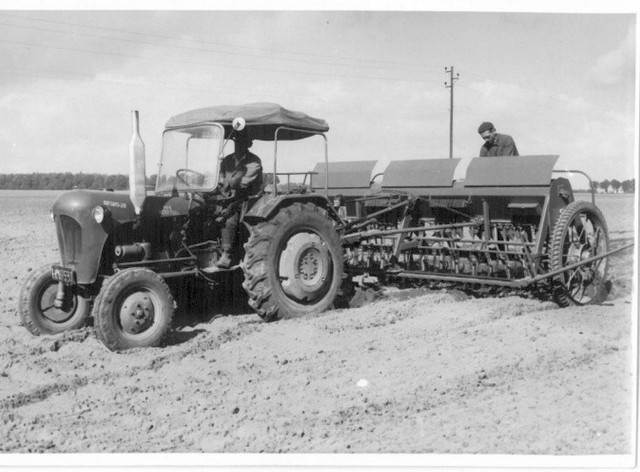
<point>137,173</point>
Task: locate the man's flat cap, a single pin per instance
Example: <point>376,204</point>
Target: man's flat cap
<point>486,126</point>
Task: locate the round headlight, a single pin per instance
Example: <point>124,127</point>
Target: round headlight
<point>98,214</point>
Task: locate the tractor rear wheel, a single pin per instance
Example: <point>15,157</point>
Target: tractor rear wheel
<point>293,264</point>
<point>36,305</point>
<point>133,309</point>
<point>579,234</point>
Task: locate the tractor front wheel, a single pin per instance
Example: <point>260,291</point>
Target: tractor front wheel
<point>36,305</point>
<point>293,264</point>
<point>133,309</point>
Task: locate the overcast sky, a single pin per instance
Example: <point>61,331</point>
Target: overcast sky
<point>559,83</point>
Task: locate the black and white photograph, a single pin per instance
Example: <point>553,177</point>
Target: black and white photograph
<point>324,234</point>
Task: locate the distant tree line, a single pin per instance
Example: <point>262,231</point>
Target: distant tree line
<point>65,181</point>
<point>615,186</point>
<point>69,181</point>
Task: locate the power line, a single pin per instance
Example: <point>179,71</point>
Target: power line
<point>182,61</point>
<point>77,76</point>
<point>552,100</point>
<point>225,45</point>
<point>189,48</point>
<point>62,75</point>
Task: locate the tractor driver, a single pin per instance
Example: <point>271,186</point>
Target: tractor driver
<point>240,178</point>
<point>496,144</point>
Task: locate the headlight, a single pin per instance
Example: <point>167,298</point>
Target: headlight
<point>98,214</point>
<point>52,216</point>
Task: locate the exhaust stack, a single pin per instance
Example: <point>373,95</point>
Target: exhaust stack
<point>137,173</point>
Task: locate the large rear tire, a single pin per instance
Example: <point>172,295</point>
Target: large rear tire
<point>579,234</point>
<point>36,309</point>
<point>133,309</point>
<point>293,264</point>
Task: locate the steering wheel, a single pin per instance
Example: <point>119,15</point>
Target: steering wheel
<point>185,171</point>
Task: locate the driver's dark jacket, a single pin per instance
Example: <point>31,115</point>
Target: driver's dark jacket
<point>245,174</point>
<point>501,145</point>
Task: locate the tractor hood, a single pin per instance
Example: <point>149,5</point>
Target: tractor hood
<point>79,204</point>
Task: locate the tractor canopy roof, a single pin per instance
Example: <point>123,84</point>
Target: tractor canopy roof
<point>263,119</point>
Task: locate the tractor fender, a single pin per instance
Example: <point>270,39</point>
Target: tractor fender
<point>560,195</point>
<point>267,206</point>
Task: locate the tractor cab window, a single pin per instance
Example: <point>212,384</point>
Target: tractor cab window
<point>189,159</point>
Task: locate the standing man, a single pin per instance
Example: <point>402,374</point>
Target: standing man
<point>496,144</point>
<point>240,178</point>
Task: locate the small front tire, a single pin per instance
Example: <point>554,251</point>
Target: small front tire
<point>36,305</point>
<point>133,309</point>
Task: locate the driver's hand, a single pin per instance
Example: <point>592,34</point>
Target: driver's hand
<point>225,189</point>
<point>235,180</point>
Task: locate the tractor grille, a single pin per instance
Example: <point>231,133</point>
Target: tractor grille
<point>70,240</point>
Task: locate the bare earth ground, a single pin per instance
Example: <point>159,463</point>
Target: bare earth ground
<point>428,371</point>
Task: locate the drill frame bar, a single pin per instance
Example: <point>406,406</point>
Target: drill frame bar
<point>517,283</point>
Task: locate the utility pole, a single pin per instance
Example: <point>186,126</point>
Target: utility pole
<point>452,79</point>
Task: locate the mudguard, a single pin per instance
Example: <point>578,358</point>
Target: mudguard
<point>268,205</point>
<point>560,195</point>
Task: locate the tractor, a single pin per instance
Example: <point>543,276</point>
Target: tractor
<point>508,222</point>
<point>118,250</point>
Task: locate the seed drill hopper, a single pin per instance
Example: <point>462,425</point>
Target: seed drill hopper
<point>504,221</point>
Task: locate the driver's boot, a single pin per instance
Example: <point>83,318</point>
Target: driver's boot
<point>225,259</point>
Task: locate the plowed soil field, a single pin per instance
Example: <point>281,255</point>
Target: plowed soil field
<point>409,371</point>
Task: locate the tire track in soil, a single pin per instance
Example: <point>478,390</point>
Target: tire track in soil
<point>108,410</point>
<point>350,418</point>
<point>39,394</point>
<point>206,342</point>
<point>85,410</point>
<point>458,389</point>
